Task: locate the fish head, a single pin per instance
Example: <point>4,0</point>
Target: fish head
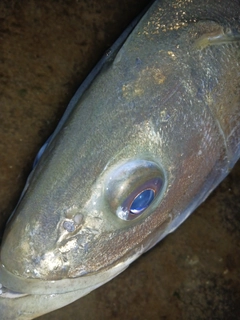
<point>139,152</point>
<point>77,218</point>
<point>97,200</point>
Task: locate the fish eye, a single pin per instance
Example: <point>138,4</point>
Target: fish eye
<point>135,188</point>
<point>142,201</point>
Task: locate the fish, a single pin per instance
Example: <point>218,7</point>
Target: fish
<point>150,133</point>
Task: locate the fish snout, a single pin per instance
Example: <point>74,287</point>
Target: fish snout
<point>42,252</point>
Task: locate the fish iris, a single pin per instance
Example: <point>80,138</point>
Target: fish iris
<point>142,201</point>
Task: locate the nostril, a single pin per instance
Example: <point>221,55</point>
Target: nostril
<point>78,218</point>
<point>69,226</point>
<point>68,229</point>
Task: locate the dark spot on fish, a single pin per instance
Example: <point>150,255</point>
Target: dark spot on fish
<point>69,226</point>
<point>36,260</point>
<point>138,61</point>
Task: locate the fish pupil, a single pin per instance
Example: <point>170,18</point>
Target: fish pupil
<point>142,201</point>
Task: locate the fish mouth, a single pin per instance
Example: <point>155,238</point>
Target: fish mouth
<point>88,281</point>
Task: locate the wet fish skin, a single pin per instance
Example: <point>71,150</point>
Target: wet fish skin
<point>182,107</point>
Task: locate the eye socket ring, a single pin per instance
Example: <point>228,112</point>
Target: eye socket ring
<point>133,189</point>
<point>133,206</point>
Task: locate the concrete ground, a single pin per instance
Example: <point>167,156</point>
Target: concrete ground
<point>46,49</point>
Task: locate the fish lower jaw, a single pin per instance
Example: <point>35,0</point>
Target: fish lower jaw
<point>89,282</point>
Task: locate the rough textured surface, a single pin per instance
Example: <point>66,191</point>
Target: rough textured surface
<point>47,49</point>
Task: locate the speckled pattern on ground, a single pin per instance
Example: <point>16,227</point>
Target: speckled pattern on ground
<point>47,49</point>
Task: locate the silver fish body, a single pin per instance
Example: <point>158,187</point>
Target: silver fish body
<point>162,116</point>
